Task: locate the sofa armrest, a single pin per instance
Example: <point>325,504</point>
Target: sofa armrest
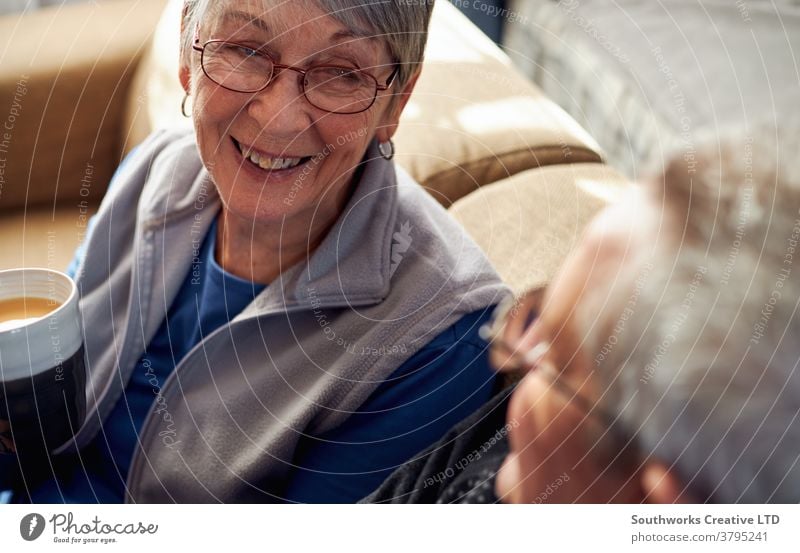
<point>64,77</point>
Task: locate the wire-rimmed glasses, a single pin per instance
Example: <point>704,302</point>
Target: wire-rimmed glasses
<point>511,321</point>
<point>332,88</point>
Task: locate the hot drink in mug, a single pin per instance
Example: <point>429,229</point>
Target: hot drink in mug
<point>42,367</point>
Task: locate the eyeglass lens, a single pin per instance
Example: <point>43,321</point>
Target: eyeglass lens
<point>330,88</point>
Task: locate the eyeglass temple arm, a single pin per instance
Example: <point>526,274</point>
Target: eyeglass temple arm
<point>196,41</point>
<point>391,78</point>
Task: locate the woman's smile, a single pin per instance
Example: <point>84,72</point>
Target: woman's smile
<point>263,164</point>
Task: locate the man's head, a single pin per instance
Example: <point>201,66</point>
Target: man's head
<point>666,347</point>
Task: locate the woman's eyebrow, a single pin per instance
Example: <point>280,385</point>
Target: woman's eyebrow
<point>246,18</point>
<point>362,45</point>
<point>353,34</point>
<point>344,35</point>
<point>343,38</point>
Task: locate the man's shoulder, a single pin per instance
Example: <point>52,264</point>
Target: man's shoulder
<point>452,468</point>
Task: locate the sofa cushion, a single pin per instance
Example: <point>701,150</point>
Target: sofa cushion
<point>154,100</point>
<point>64,74</point>
<point>43,237</point>
<point>528,223</point>
<point>473,118</point>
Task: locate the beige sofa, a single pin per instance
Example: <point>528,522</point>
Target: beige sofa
<point>89,81</point>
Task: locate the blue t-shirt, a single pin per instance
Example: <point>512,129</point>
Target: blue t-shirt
<point>433,390</point>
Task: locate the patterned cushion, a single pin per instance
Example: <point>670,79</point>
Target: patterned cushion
<point>528,223</point>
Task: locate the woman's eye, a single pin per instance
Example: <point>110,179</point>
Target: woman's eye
<point>346,75</point>
<point>239,50</point>
<point>247,52</point>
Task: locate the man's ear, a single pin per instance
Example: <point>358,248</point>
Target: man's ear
<point>660,485</point>
<point>392,116</point>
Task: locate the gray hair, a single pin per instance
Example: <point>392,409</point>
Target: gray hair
<point>702,362</point>
<point>402,24</point>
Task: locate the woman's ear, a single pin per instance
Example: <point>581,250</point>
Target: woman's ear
<point>184,71</point>
<point>391,118</point>
<point>183,75</point>
<point>660,485</point>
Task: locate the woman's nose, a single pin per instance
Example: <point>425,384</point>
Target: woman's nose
<point>281,103</point>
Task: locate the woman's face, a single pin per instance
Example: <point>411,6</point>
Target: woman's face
<point>239,134</point>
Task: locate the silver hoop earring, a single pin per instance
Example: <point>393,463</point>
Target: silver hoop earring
<point>386,149</point>
<point>183,106</point>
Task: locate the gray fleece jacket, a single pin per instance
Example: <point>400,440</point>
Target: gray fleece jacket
<point>394,271</point>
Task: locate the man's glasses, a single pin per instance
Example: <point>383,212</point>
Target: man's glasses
<point>511,321</point>
<point>331,88</point>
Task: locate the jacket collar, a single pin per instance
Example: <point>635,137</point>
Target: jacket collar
<point>351,266</point>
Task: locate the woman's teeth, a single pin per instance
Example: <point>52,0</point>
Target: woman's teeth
<point>272,163</point>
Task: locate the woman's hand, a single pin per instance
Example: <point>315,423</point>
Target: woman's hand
<point>6,442</point>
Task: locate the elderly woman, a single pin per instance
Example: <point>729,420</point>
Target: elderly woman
<point>273,310</point>
<point>662,365</point>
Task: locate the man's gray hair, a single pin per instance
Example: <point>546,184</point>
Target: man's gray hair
<point>701,364</point>
<point>401,24</point>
